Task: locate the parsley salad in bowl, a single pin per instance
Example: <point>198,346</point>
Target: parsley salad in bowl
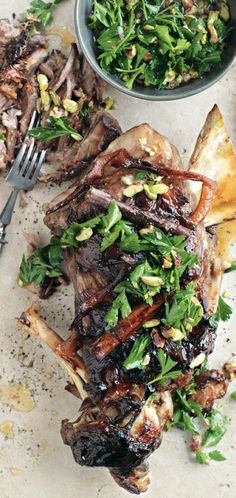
<point>155,49</point>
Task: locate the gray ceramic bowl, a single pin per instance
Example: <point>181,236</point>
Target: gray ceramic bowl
<point>83,9</point>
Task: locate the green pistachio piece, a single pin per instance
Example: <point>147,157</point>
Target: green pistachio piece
<point>70,105</point>
<point>146,360</point>
<point>85,234</point>
<point>151,323</point>
<point>166,263</point>
<point>43,82</point>
<point>152,281</point>
<point>160,188</point>
<point>132,190</point>
<point>46,101</point>
<point>55,98</point>
<point>127,180</point>
<point>148,193</point>
<point>213,16</point>
<point>145,231</point>
<point>198,360</point>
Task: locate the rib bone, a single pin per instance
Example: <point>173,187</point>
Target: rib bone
<point>31,320</point>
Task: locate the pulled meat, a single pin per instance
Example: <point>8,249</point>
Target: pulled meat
<point>22,57</point>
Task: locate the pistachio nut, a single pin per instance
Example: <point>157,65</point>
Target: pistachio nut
<point>166,263</point>
<point>147,230</point>
<point>43,82</point>
<point>151,323</point>
<point>127,180</point>
<point>84,234</point>
<point>70,105</point>
<point>152,281</point>
<point>55,98</point>
<point>46,101</point>
<point>132,190</point>
<point>198,360</point>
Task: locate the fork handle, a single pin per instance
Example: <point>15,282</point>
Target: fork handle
<point>6,214</point>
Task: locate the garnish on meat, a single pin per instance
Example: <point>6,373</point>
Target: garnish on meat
<point>146,275</point>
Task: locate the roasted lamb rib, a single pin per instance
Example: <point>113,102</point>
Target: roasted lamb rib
<point>125,408</point>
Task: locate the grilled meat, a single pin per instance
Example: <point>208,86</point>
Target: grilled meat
<point>122,417</point>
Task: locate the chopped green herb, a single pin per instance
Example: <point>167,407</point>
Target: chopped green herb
<point>218,427</point>
<point>167,365</point>
<point>184,312</point>
<point>223,312</point>
<point>217,455</point>
<point>43,10</point>
<point>136,356</point>
<point>119,305</point>
<point>84,112</point>
<point>59,128</point>
<point>202,458</point>
<point>43,263</point>
<point>140,175</point>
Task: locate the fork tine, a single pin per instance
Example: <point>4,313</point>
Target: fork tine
<point>35,119</point>
<point>25,164</point>
<point>39,165</point>
<point>34,168</point>
<point>31,167</point>
<point>32,121</point>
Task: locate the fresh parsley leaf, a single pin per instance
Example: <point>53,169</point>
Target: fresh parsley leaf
<point>184,312</point>
<point>189,424</point>
<point>119,306</point>
<point>41,264</point>
<point>217,455</point>
<point>137,353</point>
<point>167,365</point>
<point>223,312</point>
<point>112,217</point>
<point>43,10</point>
<point>218,427</point>
<point>59,128</point>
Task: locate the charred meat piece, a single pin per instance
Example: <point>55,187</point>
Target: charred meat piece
<point>210,385</point>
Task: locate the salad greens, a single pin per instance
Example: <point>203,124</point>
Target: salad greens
<point>158,43</point>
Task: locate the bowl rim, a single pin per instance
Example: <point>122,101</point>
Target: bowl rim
<point>140,94</point>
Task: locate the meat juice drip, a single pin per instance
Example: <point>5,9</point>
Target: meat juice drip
<point>66,36</point>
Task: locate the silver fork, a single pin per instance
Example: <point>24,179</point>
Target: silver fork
<point>22,175</point>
